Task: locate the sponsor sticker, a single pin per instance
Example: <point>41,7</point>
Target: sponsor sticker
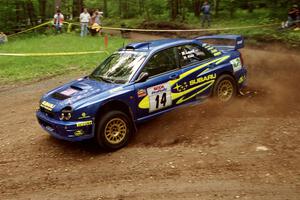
<point>242,79</point>
<point>159,96</point>
<point>142,93</point>
<point>78,133</point>
<point>47,105</point>
<point>86,123</point>
<point>236,64</point>
<point>83,116</point>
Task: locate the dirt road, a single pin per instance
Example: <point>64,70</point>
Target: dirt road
<point>248,150</point>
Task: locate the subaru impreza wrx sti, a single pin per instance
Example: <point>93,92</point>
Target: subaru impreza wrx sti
<point>140,81</point>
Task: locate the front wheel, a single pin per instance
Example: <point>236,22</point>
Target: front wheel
<point>114,130</point>
<point>225,88</point>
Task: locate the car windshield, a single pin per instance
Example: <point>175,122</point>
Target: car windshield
<point>119,67</point>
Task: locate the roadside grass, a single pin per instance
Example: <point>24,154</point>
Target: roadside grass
<point>27,69</point>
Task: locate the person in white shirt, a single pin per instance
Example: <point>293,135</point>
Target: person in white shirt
<point>58,20</point>
<point>84,21</point>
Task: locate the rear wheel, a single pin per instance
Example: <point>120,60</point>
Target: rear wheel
<point>225,88</point>
<point>114,130</point>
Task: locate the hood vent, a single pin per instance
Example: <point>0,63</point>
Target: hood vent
<point>59,96</point>
<point>76,87</point>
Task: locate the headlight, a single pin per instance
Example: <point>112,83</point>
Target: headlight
<point>66,113</point>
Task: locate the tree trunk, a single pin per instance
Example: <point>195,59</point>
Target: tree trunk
<point>31,12</point>
<point>251,5</point>
<point>105,10</point>
<point>176,8</point>
<point>197,8</point>
<point>145,7</point>
<point>120,9</point>
<point>126,8</point>
<point>173,4</point>
<point>141,7</point>
<point>57,4</point>
<point>217,6</point>
<point>182,9</point>
<point>18,13</point>
<point>77,7</point>
<point>43,4</point>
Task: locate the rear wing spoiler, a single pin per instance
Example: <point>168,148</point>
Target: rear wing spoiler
<point>237,39</point>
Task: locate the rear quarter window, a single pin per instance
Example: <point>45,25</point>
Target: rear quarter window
<point>191,54</point>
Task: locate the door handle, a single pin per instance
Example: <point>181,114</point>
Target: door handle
<point>174,76</point>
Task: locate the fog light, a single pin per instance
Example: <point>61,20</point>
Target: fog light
<point>79,133</point>
<point>65,114</point>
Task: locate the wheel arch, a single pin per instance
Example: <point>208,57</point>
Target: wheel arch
<point>115,105</point>
<point>227,73</point>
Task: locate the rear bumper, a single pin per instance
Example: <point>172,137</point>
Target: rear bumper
<point>241,78</point>
<point>66,130</point>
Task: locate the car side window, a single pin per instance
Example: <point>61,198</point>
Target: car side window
<point>161,62</point>
<point>192,53</point>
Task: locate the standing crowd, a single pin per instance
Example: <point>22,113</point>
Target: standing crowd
<point>88,23</point>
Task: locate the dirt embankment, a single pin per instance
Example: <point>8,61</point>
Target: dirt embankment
<point>247,150</point>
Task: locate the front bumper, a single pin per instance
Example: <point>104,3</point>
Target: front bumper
<point>67,130</point>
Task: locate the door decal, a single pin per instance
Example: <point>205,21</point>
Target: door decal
<point>159,96</point>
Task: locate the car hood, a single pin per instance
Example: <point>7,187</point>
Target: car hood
<point>76,91</point>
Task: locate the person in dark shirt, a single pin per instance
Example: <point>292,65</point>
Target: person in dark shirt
<point>205,9</point>
<point>294,16</point>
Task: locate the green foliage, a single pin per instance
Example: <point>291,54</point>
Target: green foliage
<point>16,15</point>
<point>35,68</point>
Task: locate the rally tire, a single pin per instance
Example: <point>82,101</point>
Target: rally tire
<point>114,129</point>
<point>225,89</point>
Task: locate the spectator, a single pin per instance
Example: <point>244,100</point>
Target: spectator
<point>96,22</point>
<point>96,18</point>
<point>206,14</point>
<point>84,21</point>
<point>58,20</point>
<point>294,17</point>
<point>3,38</point>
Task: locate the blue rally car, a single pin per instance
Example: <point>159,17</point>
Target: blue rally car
<point>140,81</point>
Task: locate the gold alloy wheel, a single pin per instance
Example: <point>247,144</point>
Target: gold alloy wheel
<point>115,130</point>
<point>225,90</point>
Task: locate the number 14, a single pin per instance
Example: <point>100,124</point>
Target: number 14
<point>162,100</point>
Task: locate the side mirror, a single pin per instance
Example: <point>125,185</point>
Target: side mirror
<point>143,77</point>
